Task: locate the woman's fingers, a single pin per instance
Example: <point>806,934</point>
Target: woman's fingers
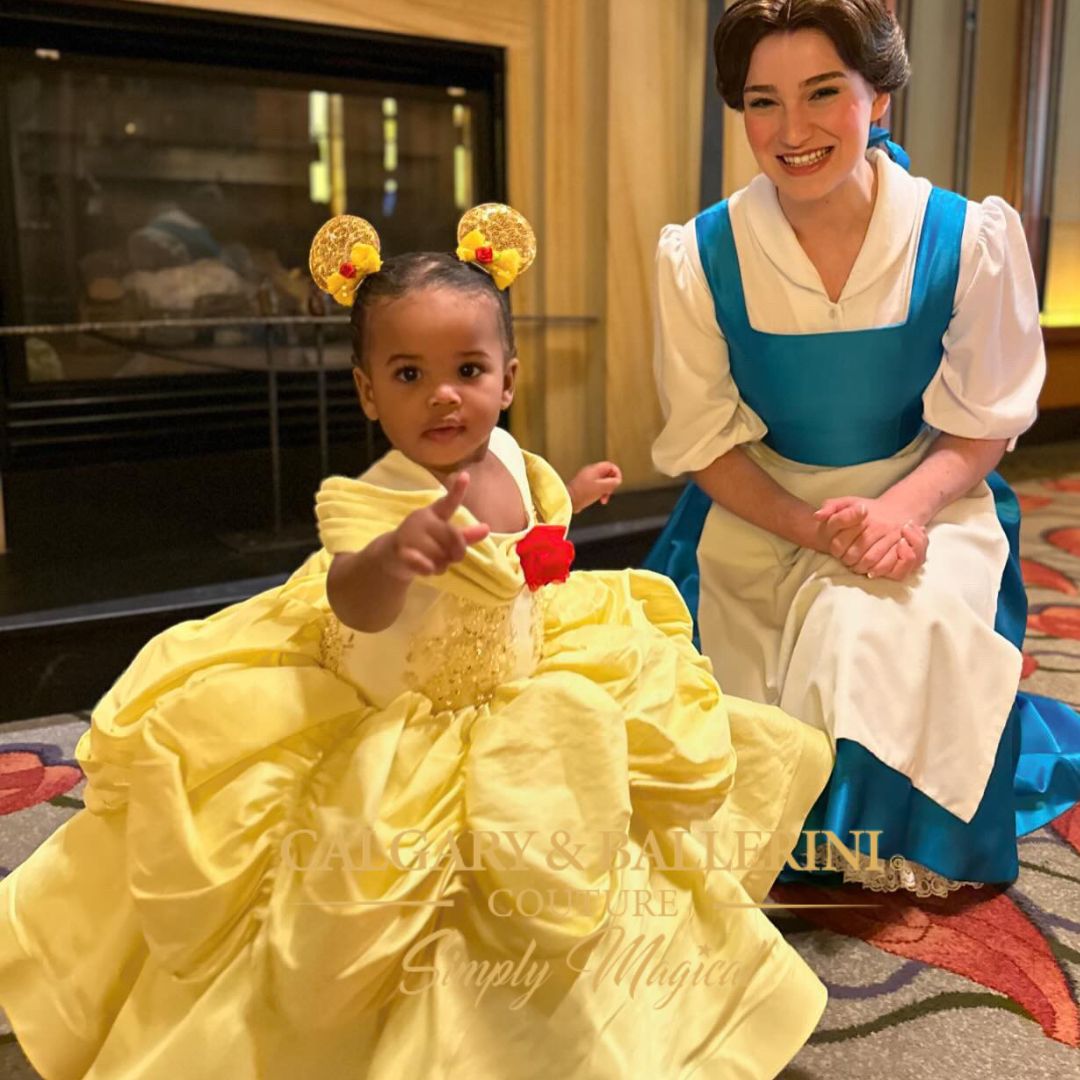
<point>918,539</point>
<point>845,502</point>
<point>915,535</point>
<point>885,566</point>
<point>842,541</point>
<point>850,518</point>
<point>911,552</point>
<point>868,561</point>
<point>843,528</point>
<point>906,561</point>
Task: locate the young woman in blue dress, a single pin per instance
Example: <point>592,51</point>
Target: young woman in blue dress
<point>844,355</point>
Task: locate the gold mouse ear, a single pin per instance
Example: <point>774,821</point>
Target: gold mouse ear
<point>498,239</point>
<point>345,250</point>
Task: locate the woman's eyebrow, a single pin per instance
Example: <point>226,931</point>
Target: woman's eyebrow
<point>806,82</point>
<point>823,78</point>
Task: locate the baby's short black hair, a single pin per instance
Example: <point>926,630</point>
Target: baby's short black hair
<point>401,274</point>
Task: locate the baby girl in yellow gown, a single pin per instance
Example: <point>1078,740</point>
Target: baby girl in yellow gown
<point>447,812</point>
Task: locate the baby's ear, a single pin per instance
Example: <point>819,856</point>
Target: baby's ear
<point>364,393</point>
<point>510,370</point>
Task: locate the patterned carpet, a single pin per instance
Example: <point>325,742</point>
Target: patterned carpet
<point>985,984</point>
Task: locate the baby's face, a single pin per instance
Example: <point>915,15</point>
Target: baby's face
<point>436,375</point>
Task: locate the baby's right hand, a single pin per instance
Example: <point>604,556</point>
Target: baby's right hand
<point>425,543</point>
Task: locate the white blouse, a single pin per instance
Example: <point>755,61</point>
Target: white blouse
<point>993,366</point>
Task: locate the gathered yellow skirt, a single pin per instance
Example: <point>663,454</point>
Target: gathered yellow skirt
<point>275,879</point>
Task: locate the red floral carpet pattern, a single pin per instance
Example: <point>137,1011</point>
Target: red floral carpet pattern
<point>1050,543</point>
<point>27,779</point>
<point>983,984</point>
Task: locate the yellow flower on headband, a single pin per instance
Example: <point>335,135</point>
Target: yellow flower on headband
<point>504,266</point>
<point>343,282</point>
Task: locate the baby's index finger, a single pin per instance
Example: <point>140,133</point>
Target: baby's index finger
<point>455,494</point>
<point>473,534</point>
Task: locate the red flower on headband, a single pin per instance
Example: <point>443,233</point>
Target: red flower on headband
<point>347,270</point>
<point>484,255</point>
<point>546,555</point>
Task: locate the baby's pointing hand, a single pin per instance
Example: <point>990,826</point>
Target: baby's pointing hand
<point>426,543</point>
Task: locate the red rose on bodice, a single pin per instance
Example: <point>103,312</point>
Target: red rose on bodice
<point>546,555</point>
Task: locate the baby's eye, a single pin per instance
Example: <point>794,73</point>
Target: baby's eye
<point>407,374</point>
<point>470,371</point>
<point>824,92</point>
<point>761,103</point>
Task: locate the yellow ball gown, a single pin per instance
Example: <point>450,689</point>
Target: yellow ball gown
<point>487,843</point>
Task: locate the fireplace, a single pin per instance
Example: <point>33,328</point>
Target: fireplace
<point>162,173</point>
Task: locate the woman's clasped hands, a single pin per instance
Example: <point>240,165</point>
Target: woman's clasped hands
<point>871,537</point>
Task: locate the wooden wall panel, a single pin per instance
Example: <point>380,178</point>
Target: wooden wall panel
<point>1062,388</point>
<point>574,45</point>
<point>994,95</point>
<point>490,22</point>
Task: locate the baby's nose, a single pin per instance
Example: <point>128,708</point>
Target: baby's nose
<point>445,393</point>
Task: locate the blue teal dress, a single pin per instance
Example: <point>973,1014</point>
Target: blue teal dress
<point>797,384</point>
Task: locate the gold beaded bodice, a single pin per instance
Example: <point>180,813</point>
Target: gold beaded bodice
<point>454,651</point>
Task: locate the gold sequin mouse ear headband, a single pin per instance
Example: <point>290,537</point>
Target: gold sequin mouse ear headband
<point>494,236</point>
<point>498,239</point>
<point>345,250</point>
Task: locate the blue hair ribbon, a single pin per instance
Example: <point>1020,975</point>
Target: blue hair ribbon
<point>879,138</point>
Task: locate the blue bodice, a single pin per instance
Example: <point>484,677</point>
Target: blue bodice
<point>800,384</point>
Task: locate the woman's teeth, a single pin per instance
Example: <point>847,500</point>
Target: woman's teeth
<point>798,160</point>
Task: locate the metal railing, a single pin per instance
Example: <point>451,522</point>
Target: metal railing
<point>269,323</point>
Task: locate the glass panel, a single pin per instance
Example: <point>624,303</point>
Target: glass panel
<point>167,194</point>
<point>1061,305</point>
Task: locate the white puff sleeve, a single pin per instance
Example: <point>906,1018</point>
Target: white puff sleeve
<point>988,384</point>
<point>704,415</point>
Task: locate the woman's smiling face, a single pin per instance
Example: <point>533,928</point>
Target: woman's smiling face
<point>807,115</point>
